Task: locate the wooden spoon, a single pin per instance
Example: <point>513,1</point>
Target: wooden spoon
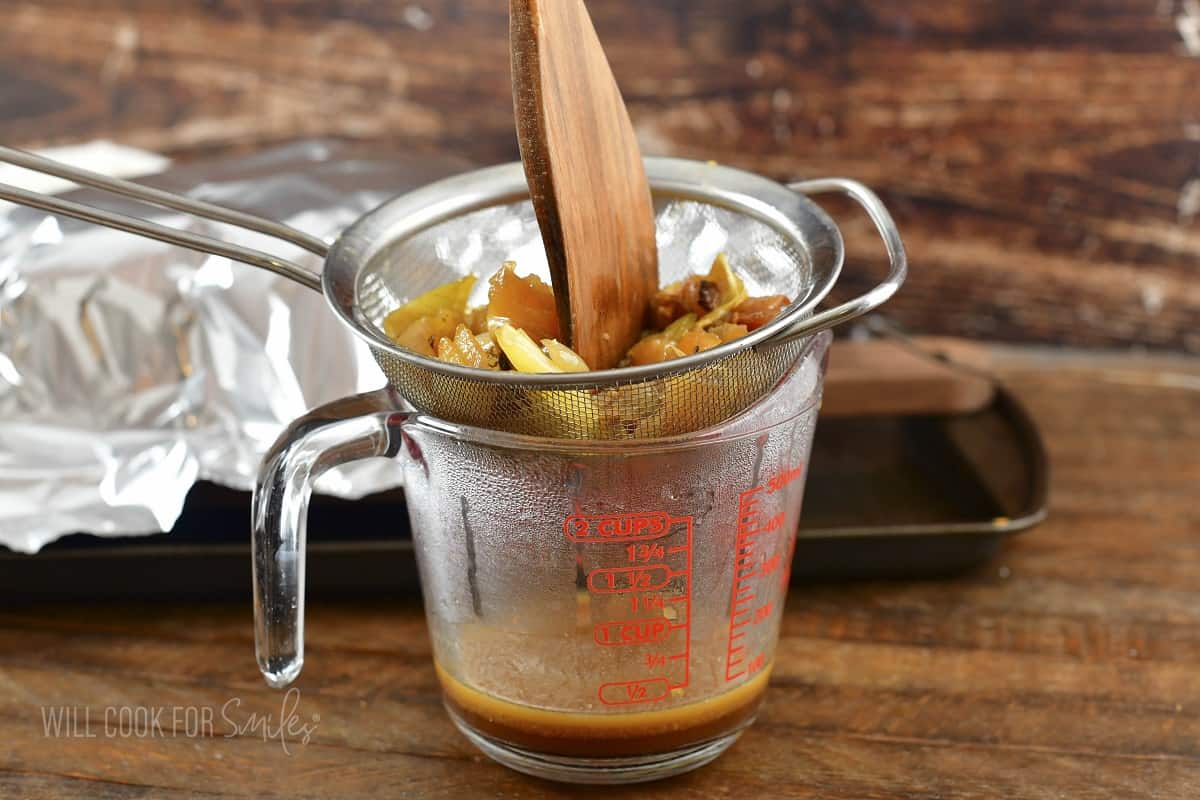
<point>586,177</point>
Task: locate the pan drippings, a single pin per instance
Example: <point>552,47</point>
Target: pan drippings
<point>573,733</point>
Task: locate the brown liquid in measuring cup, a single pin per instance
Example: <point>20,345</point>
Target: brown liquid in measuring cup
<point>600,735</point>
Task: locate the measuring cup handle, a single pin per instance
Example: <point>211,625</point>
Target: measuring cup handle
<point>343,431</point>
<point>898,261</point>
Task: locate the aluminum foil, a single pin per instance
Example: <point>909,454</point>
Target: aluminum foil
<point>130,369</point>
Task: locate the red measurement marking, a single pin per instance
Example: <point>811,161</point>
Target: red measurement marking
<point>758,663</point>
<point>762,612</point>
<point>742,594</point>
<point>652,567</point>
<point>644,552</point>
<point>624,693</point>
<point>634,631</point>
<point>735,661</point>
<point>748,510</point>
<point>784,478</point>
<point>616,527</point>
<point>649,602</point>
<point>687,647</point>
<point>770,526</point>
<point>616,580</point>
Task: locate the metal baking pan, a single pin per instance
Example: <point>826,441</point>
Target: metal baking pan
<point>919,496</point>
<point>908,496</point>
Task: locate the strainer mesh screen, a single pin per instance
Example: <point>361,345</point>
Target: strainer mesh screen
<point>690,235</point>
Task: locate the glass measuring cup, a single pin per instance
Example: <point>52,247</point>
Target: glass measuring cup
<point>600,611</point>
<point>653,723</point>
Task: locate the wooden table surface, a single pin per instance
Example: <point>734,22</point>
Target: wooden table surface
<point>1069,667</point>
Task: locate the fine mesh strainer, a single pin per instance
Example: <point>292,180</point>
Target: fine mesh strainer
<point>777,239</point>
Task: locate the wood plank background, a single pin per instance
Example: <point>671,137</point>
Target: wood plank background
<point>1042,157</point>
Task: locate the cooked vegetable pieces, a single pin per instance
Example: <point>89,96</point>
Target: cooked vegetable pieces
<point>423,334</point>
<point>439,324</point>
<point>519,326</point>
<point>523,353</point>
<point>563,357</point>
<point>701,312</point>
<point>470,350</point>
<point>758,311</point>
<point>526,303</point>
<point>440,311</point>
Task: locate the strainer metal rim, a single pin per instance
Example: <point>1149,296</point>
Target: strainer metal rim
<point>735,189</point>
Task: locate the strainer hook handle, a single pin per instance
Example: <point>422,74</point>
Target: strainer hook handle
<point>898,261</point>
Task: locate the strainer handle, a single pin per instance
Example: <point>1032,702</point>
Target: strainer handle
<point>898,261</point>
<point>346,430</point>
<point>162,233</point>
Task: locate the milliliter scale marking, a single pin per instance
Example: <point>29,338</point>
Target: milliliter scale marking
<point>650,595</point>
<point>760,573</point>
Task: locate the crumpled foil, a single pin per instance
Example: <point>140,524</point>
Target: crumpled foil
<point>131,369</point>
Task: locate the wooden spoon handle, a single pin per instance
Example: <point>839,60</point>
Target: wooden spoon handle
<point>586,178</point>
